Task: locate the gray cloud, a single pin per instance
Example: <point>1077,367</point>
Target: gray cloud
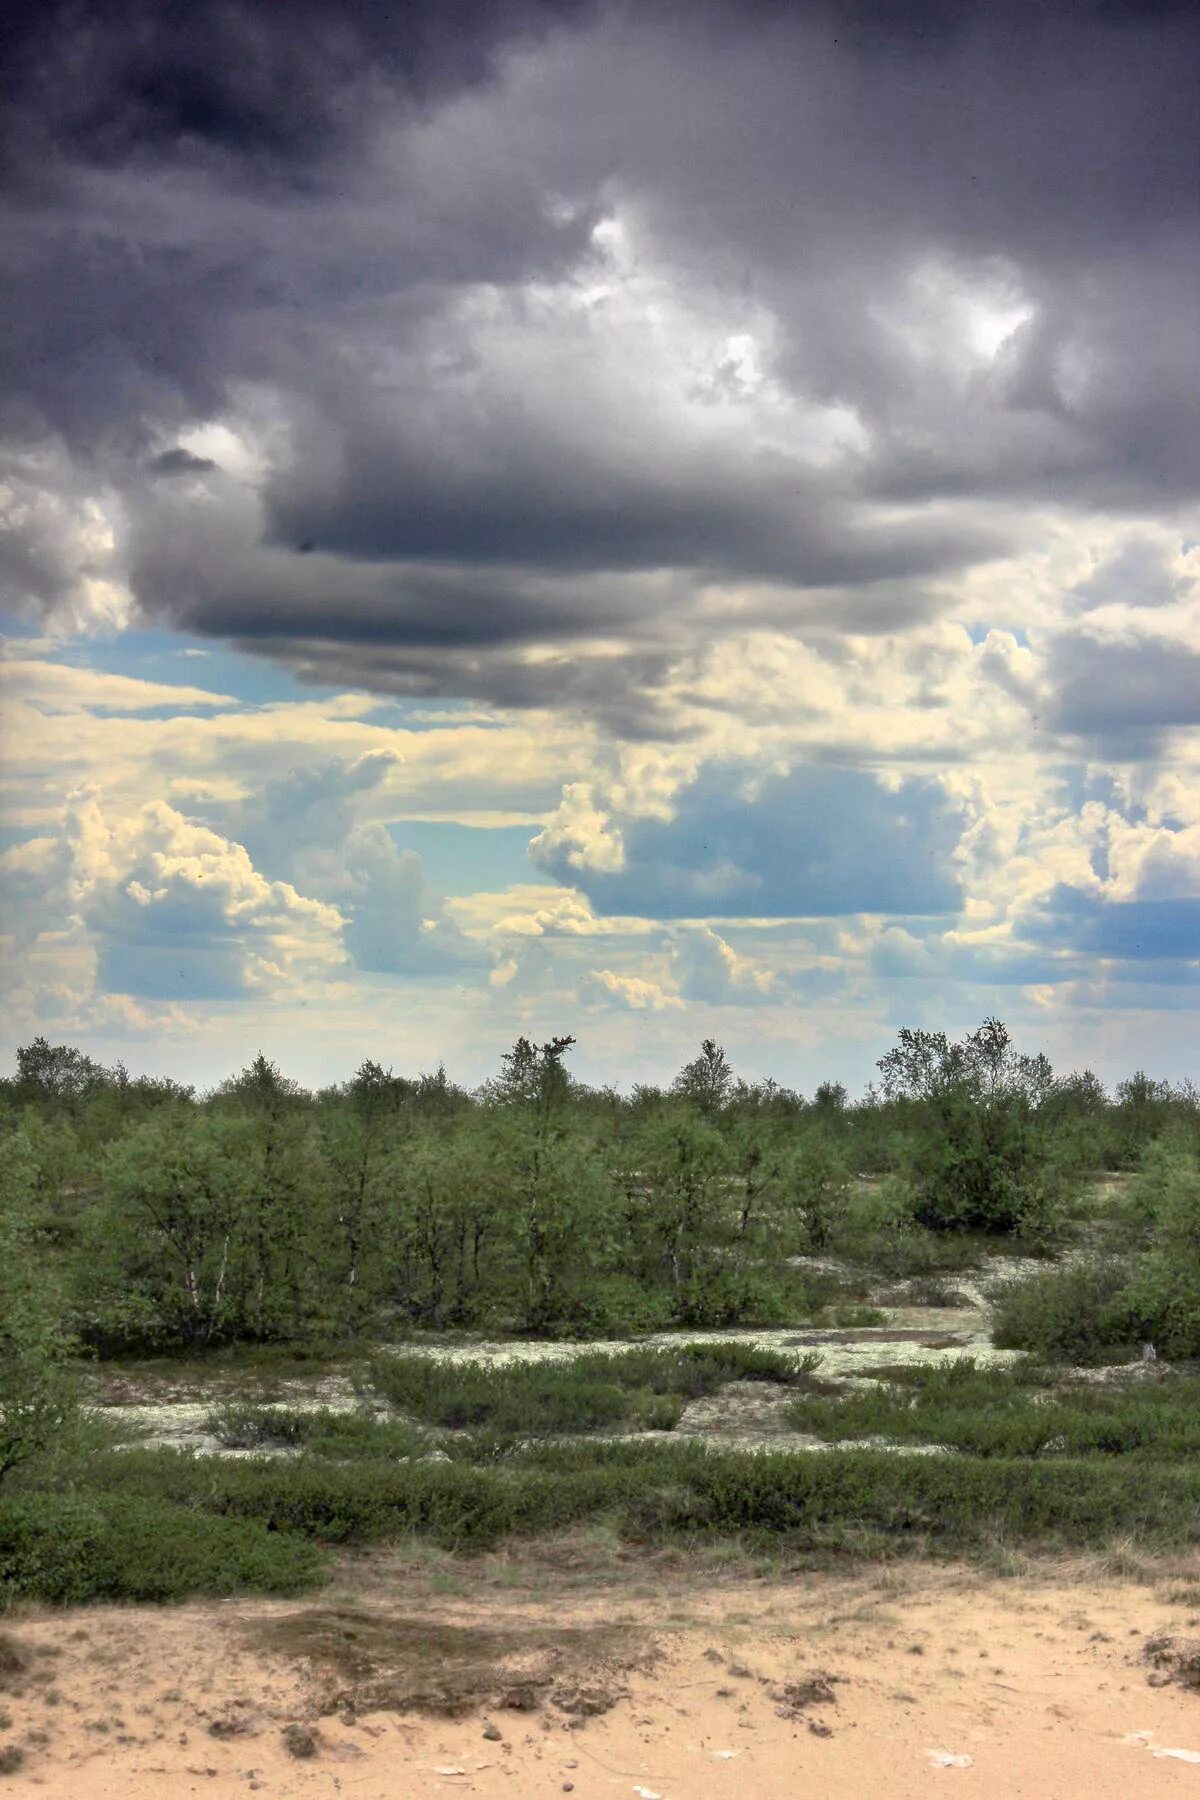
<point>1128,931</point>
<point>1124,691</point>
<point>1139,574</point>
<point>816,842</point>
<point>914,270</point>
<point>181,462</point>
<point>310,828</point>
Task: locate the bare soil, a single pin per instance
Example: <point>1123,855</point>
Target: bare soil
<point>567,1669</point>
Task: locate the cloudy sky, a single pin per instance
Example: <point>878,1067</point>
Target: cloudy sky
<point>635,519</point>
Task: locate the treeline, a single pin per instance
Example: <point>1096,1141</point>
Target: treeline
<point>264,1212</point>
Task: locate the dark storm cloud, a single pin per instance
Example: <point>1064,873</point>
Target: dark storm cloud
<point>972,231</point>
<point>181,462</point>
<point>1123,690</point>
<point>283,83</point>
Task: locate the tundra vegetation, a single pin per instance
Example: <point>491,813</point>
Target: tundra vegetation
<point>371,1227</point>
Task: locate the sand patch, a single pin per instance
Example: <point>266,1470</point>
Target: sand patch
<point>689,1687</point>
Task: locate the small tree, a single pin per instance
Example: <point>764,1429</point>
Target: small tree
<point>818,1179</point>
<point>978,1154</point>
<point>683,1217</point>
<point>559,1201</point>
<point>707,1080</point>
<point>56,1072</point>
<point>172,1231</point>
<point>36,1394</point>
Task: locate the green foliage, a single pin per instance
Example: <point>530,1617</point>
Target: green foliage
<point>980,1156</point>
<point>37,1398</point>
<point>514,1399</point>
<point>1164,1294</point>
<point>707,1080</point>
<point>1010,1412</point>
<point>264,1214</point>
<point>1074,1313</point>
<point>1101,1310</point>
<point>854,1500</point>
<point>877,1231</point>
<point>173,1233</point>
<point>241,1426</point>
<point>818,1180</point>
<point>591,1392</point>
<point>68,1549</point>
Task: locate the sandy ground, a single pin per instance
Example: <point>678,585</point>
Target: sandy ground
<point>915,1682</point>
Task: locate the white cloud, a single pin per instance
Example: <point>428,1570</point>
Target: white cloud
<point>55,688</point>
<point>634,992</point>
<point>709,970</point>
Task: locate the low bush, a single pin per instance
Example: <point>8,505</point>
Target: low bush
<point>594,1391</point>
<point>67,1549</point>
<point>930,1291</point>
<point>854,1500</point>
<point>877,1231</point>
<point>1017,1412</point>
<point>1164,1295</point>
<point>242,1427</point>
<point>237,1426</point>
<point>1075,1312</point>
<point>517,1398</point>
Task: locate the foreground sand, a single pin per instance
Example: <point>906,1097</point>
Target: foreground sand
<point>676,1683</point>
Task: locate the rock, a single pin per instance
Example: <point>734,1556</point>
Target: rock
<point>492,1733</point>
<point>230,1725</point>
<point>816,1689</point>
<point>1174,1659</point>
<point>584,1702</point>
<point>523,1698</point>
<point>299,1741</point>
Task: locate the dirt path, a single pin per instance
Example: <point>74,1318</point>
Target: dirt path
<point>915,1682</point>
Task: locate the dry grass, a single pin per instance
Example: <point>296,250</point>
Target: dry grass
<point>379,1661</point>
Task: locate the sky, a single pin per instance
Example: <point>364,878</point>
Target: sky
<point>633,520</point>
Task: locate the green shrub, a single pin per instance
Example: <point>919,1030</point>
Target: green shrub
<point>1165,1290</point>
<point>241,1427</point>
<point>237,1426</point>
<point>858,1500</point>
<point>519,1398</point>
<point>1010,1412</point>
<point>67,1549</point>
<point>594,1391</point>
<point>1075,1313</point>
<point>37,1396</point>
<point>878,1232</point>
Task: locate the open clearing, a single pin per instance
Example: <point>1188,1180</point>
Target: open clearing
<point>586,1668</point>
<point>170,1404</point>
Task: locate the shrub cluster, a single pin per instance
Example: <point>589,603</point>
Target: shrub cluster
<point>1010,1412</point>
<point>643,1389</point>
<point>855,1499</point>
<point>1103,1309</point>
<point>70,1548</point>
<point>262,1213</point>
